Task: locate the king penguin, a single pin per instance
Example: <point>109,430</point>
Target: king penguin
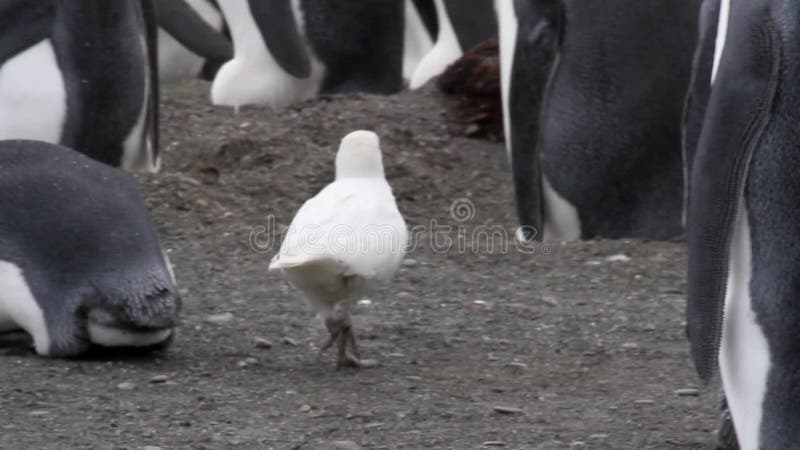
<point>287,51</point>
<point>743,312</point>
<point>82,74</point>
<point>594,105</point>
<point>80,262</point>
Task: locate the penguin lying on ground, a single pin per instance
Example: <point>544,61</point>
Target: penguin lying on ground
<point>743,310</point>
<point>286,51</point>
<point>594,100</point>
<point>345,240</point>
<point>80,262</point>
<point>82,74</point>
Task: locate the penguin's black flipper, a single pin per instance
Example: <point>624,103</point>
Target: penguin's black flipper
<point>24,24</point>
<point>738,111</point>
<point>537,44</point>
<point>474,21</point>
<point>276,22</point>
<point>183,23</point>
<point>427,12</point>
<point>150,15</point>
<point>700,83</point>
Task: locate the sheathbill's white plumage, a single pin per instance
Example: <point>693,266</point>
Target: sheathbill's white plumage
<point>345,240</point>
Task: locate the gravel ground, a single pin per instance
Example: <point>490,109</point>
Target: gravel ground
<point>576,345</point>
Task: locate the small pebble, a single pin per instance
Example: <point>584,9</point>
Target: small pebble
<point>305,408</point>
<point>260,342</point>
<point>550,300</point>
<point>247,362</point>
<point>410,262</point>
<point>644,401</point>
<point>598,436</point>
<point>219,319</point>
<point>518,366</point>
<point>472,129</point>
<point>494,444</point>
<point>479,304</point>
<point>365,302</point>
<point>618,258</point>
<point>159,379</point>
<point>670,290</point>
<point>126,386</point>
<point>369,363</point>
<point>630,345</point>
<point>289,341</point>
<point>38,413</point>
<point>688,392</point>
<point>507,410</point>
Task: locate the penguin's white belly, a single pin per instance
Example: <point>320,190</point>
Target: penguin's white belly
<point>253,76</point>
<point>33,98</point>
<point>508,41</point>
<point>744,358</point>
<point>137,149</point>
<point>444,52</point>
<point>561,221</point>
<point>722,35</point>
<point>116,337</point>
<point>417,42</point>
<point>259,80</point>
<point>18,307</point>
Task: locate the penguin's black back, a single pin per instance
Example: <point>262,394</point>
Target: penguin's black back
<point>73,223</point>
<point>610,139</point>
<point>474,21</point>
<point>360,43</point>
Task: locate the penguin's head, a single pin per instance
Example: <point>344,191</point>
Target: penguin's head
<point>359,156</point>
<point>136,314</point>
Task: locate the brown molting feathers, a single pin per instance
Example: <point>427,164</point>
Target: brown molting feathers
<point>474,79</point>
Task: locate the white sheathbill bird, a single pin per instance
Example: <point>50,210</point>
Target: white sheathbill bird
<point>345,240</point>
